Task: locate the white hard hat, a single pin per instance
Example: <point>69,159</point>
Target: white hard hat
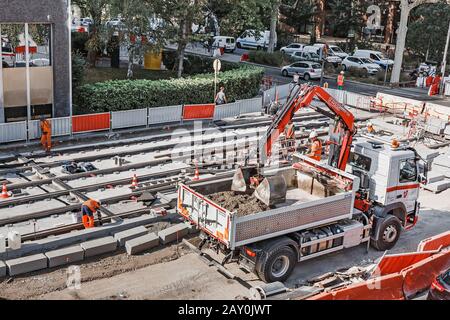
<point>369,124</point>
<point>313,134</point>
<point>342,72</point>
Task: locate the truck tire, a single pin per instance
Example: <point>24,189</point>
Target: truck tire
<point>387,234</point>
<point>278,266</point>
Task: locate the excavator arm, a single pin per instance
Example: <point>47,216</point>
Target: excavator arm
<point>302,97</point>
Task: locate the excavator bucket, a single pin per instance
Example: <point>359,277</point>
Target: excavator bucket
<point>272,190</point>
<point>241,179</point>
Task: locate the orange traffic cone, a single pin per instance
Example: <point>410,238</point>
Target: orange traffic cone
<point>5,194</point>
<point>134,183</point>
<point>197,174</point>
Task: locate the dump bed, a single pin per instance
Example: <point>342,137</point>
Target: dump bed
<point>302,210</point>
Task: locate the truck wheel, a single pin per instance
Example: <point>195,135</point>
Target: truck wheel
<point>307,77</point>
<point>388,234</point>
<point>278,266</point>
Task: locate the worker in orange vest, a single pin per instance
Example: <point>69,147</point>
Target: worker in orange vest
<point>88,209</point>
<point>340,81</point>
<point>316,146</point>
<point>370,128</point>
<point>435,85</point>
<point>46,137</point>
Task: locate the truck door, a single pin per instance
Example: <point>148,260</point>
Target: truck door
<point>407,188</point>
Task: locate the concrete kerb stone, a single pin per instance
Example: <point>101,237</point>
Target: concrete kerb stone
<point>124,236</point>
<point>26,264</point>
<point>76,237</point>
<point>64,256</point>
<point>146,242</point>
<point>2,269</point>
<point>173,233</point>
<point>99,246</point>
<point>438,186</point>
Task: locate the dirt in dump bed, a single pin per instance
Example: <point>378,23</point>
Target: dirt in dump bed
<point>244,204</point>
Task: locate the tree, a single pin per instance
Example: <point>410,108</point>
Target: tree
<point>297,13</point>
<point>432,20</point>
<point>275,7</point>
<point>180,16</point>
<point>95,9</point>
<point>406,6</point>
<point>345,15</point>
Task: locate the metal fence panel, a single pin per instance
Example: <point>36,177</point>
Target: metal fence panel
<point>338,95</point>
<point>61,126</point>
<point>269,96</point>
<point>129,118</point>
<point>357,100</point>
<point>227,111</point>
<point>16,131</point>
<point>165,114</point>
<point>34,129</point>
<point>447,88</point>
<point>250,105</point>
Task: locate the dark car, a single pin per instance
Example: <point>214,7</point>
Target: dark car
<point>440,287</point>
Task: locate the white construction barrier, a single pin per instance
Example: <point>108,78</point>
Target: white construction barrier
<point>15,131</point>
<point>165,114</point>
<point>129,118</point>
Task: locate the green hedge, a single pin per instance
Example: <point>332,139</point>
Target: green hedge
<point>242,83</point>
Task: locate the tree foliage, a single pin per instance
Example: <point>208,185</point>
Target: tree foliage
<point>428,30</point>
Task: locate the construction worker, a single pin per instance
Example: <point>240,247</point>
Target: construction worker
<point>340,81</point>
<point>46,137</point>
<point>370,128</point>
<point>435,85</point>
<point>316,146</point>
<point>88,209</point>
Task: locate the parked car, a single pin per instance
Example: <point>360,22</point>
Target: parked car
<point>306,69</point>
<point>333,50</point>
<point>361,63</point>
<point>305,56</point>
<point>250,39</point>
<point>335,60</point>
<point>115,23</point>
<point>86,21</point>
<point>228,43</point>
<point>41,62</point>
<point>293,47</point>
<point>440,287</point>
<point>8,54</point>
<point>377,56</point>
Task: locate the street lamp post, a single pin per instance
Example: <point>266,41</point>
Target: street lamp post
<point>444,62</point>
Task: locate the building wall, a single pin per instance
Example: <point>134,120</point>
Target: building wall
<point>56,13</point>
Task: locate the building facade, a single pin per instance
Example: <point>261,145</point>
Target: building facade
<point>35,73</point>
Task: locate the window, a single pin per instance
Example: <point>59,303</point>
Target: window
<point>303,65</point>
<point>316,66</point>
<point>446,277</point>
<point>360,161</point>
<point>374,57</point>
<point>408,171</point>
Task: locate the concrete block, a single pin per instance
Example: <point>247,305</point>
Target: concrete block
<point>435,177</point>
<point>173,233</point>
<point>99,246</point>
<point>26,264</point>
<point>124,236</point>
<point>64,256</point>
<point>137,245</point>
<point>2,269</point>
<point>438,186</point>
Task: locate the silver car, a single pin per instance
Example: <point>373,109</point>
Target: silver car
<point>306,69</point>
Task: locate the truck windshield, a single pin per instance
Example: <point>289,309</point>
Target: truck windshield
<point>360,161</point>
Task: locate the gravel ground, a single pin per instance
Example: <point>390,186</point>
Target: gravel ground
<point>39,283</point>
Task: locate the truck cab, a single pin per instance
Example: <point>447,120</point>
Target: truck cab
<point>390,182</point>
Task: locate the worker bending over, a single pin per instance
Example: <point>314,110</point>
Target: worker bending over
<point>316,147</point>
<point>88,209</point>
<point>46,137</point>
<point>370,128</point>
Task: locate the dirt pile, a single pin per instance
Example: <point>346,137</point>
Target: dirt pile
<point>242,203</point>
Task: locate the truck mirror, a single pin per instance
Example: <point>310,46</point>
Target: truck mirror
<point>422,178</point>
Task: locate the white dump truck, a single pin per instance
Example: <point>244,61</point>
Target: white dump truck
<point>269,219</point>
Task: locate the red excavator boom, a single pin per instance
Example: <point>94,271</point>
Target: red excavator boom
<point>302,97</point>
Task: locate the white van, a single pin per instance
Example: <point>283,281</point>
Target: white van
<point>250,39</point>
<point>376,56</point>
<point>333,50</point>
<point>228,43</point>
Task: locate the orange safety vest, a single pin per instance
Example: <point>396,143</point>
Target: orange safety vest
<point>92,205</point>
<point>340,80</point>
<point>46,127</point>
<point>316,150</point>
<point>290,131</point>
